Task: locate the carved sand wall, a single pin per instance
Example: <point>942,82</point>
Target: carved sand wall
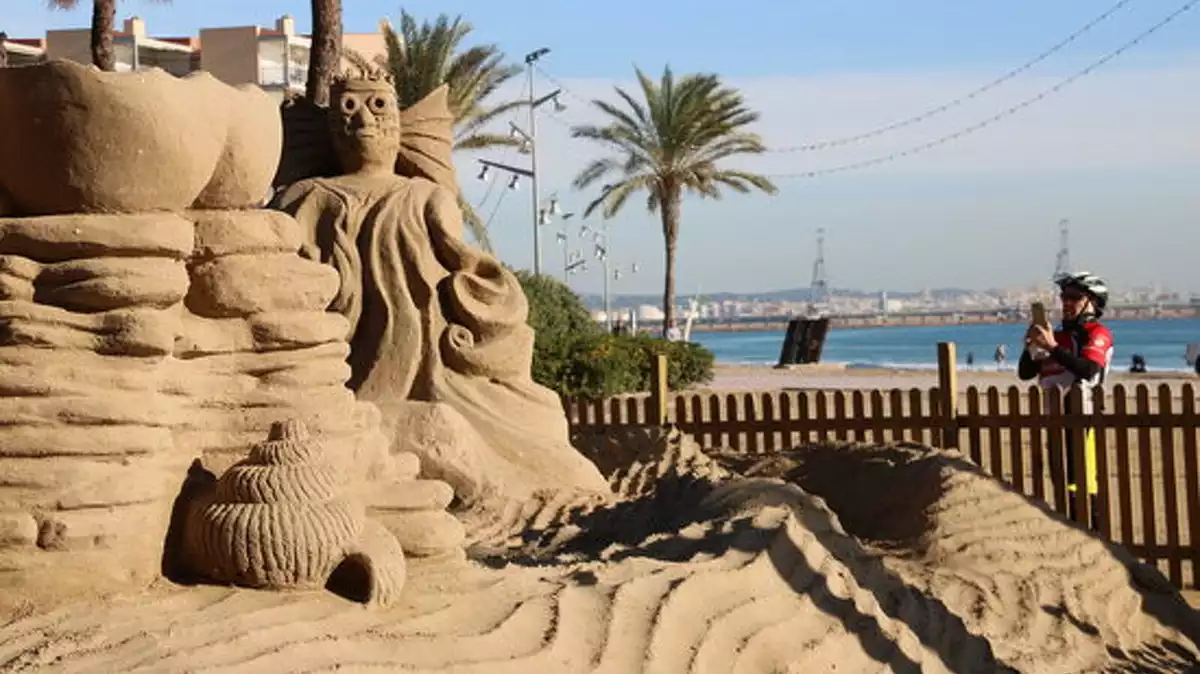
<point>257,345</point>
<point>89,311</point>
<point>94,282</point>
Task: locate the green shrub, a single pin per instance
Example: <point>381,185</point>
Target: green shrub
<point>687,363</point>
<point>574,356</point>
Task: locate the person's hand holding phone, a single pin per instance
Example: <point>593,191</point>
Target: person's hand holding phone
<point>1040,337</point>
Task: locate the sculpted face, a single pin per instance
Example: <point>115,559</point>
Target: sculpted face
<point>365,120</point>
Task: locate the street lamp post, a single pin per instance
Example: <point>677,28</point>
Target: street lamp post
<point>573,261</point>
<point>530,59</point>
<point>529,141</point>
<point>612,271</point>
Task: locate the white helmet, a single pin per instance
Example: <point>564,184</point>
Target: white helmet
<point>1094,286</point>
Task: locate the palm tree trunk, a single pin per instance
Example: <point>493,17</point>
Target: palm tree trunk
<point>670,222</point>
<point>326,55</point>
<point>104,15</point>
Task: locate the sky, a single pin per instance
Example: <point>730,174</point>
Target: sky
<point>1116,152</point>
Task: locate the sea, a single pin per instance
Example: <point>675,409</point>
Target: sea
<point>1163,343</point>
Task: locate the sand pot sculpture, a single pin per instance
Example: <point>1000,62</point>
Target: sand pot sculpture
<point>281,519</point>
<point>152,313</point>
<point>439,339</point>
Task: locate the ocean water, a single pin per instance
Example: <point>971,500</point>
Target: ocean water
<point>1162,343</point>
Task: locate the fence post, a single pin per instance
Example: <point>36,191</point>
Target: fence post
<point>658,389</point>
<point>948,393</point>
<point>1078,457</point>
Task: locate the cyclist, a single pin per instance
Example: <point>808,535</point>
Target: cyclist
<point>1079,353</point>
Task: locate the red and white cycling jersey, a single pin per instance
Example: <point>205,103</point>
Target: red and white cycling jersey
<point>1092,341</point>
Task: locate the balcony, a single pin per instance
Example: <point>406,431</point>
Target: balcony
<point>145,52</point>
<point>24,52</point>
<point>283,62</point>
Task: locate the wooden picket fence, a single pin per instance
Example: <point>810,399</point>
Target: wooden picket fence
<point>1146,443</point>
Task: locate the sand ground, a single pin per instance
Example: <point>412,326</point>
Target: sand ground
<point>853,559</point>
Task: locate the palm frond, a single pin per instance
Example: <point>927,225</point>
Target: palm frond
<point>744,181</point>
<point>614,196</point>
<point>597,169</point>
<point>424,55</point>
<point>671,137</point>
<point>481,117</point>
<point>483,141</point>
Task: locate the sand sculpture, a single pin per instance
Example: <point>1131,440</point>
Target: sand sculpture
<point>134,342</point>
<point>439,340</point>
<point>152,313</point>
<point>282,519</point>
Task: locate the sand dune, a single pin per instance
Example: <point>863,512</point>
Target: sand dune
<point>832,559</point>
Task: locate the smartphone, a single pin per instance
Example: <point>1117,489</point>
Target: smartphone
<point>1037,313</point>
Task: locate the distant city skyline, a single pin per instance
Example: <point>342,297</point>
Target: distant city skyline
<point>1117,153</point>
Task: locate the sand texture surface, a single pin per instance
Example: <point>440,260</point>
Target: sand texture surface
<point>849,559</point>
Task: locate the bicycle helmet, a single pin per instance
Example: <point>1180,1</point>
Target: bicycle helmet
<point>1094,286</point>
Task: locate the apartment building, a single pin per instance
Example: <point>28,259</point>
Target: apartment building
<point>134,49</point>
<point>24,51</point>
<point>274,58</point>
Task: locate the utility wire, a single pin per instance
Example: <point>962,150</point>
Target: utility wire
<point>917,149</point>
<point>935,111</point>
<point>932,112</point>
<point>1004,114</point>
<point>558,83</point>
<point>495,209</point>
<point>506,153</point>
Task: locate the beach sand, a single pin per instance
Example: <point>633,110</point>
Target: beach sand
<point>864,559</point>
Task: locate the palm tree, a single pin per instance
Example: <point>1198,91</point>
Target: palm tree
<point>325,58</point>
<point>422,57</point>
<point>104,18</point>
<point>668,144</point>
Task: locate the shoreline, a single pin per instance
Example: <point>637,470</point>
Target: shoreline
<point>933,320</point>
<point>739,377</point>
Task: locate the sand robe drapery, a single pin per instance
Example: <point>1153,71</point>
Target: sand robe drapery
<point>432,319</point>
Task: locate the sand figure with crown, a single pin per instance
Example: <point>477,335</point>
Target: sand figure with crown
<point>439,339</point>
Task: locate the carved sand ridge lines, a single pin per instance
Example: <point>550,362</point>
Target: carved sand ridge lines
<point>777,596</point>
<point>1047,595</point>
<point>257,345</point>
<point>90,313</point>
<point>654,471</point>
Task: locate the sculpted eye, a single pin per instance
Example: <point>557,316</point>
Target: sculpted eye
<point>378,103</point>
<point>349,104</point>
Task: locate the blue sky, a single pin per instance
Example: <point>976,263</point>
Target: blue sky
<point>1118,153</point>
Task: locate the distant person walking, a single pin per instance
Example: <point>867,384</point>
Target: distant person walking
<point>674,334</point>
<point>3,49</point>
<point>1001,355</point>
<point>1077,354</point>
<point>970,358</point>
